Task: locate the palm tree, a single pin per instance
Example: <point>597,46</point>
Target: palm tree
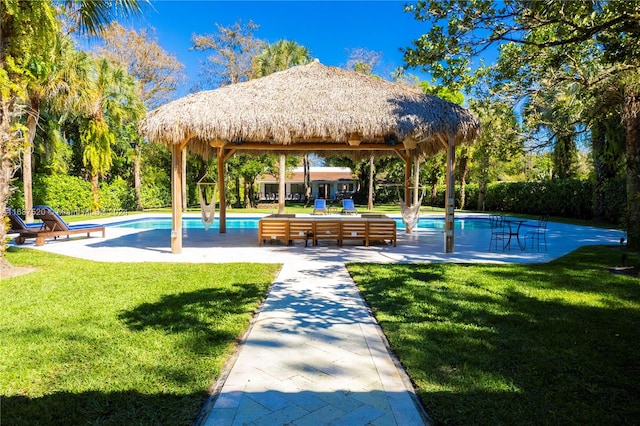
<point>110,100</point>
<point>26,36</point>
<point>56,88</point>
<point>279,56</point>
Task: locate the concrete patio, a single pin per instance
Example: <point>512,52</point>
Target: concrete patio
<point>240,245</point>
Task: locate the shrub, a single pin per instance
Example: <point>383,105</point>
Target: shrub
<point>116,196</point>
<point>155,196</point>
<point>65,194</point>
<point>559,197</point>
<point>616,200</point>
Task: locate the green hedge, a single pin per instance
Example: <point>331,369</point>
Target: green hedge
<point>72,194</point>
<point>155,196</point>
<point>116,196</point>
<point>566,198</point>
<point>65,194</point>
<point>616,200</point>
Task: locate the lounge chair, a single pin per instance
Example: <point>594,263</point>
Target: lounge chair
<point>54,226</point>
<point>348,207</point>
<point>17,224</point>
<point>320,206</point>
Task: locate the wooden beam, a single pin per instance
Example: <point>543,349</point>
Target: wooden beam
<point>405,157</point>
<point>221,191</point>
<point>443,141</point>
<point>229,153</point>
<point>311,147</point>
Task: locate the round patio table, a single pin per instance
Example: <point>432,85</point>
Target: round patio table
<point>514,229</point>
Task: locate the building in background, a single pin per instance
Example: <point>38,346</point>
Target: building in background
<point>330,183</point>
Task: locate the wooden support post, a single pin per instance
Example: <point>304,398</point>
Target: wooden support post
<point>183,188</point>
<point>407,180</point>
<point>176,198</point>
<point>221,191</point>
<point>450,196</point>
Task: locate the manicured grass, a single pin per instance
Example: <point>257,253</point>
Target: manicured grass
<point>557,343</point>
<point>118,343</point>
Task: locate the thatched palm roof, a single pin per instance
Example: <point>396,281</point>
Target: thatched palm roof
<point>310,103</point>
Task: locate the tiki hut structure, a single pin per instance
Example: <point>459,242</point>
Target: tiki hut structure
<point>310,108</point>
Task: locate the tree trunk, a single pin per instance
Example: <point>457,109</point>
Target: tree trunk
<point>464,170</point>
<point>632,126</point>
<point>370,199</point>
<point>27,170</point>
<point>307,179</point>
<point>281,187</point>
<point>248,193</point>
<point>137,180</point>
<point>9,151</point>
<point>564,156</point>
<point>95,191</point>
<point>238,194</point>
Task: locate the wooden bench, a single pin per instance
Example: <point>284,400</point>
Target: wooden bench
<point>327,230</point>
<point>288,228</point>
<point>300,229</point>
<point>273,230</point>
<point>354,230</point>
<point>381,230</point>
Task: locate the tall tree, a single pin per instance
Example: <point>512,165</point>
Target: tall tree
<point>26,51</point>
<point>110,101</point>
<point>158,74</point>
<point>232,51</point>
<point>363,60</point>
<point>279,56</point>
<point>27,35</point>
<point>547,31</point>
<point>47,81</point>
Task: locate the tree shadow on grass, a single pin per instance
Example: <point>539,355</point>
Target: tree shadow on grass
<point>201,315</point>
<point>492,355</point>
<point>101,408</point>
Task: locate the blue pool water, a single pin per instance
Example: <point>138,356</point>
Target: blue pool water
<point>252,223</point>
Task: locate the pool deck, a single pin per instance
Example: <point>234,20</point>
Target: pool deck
<point>241,245</point>
<point>314,354</point>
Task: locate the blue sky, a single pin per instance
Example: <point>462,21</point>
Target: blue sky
<point>328,28</point>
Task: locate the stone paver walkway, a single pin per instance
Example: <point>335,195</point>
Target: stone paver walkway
<point>315,356</point>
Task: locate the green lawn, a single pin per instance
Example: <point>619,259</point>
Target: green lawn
<point>557,343</point>
<point>118,343</point>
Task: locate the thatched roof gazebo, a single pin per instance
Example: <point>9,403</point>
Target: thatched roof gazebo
<point>309,108</point>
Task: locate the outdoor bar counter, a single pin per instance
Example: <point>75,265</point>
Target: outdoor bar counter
<point>340,228</point>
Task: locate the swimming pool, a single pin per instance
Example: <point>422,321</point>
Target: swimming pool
<point>252,223</point>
